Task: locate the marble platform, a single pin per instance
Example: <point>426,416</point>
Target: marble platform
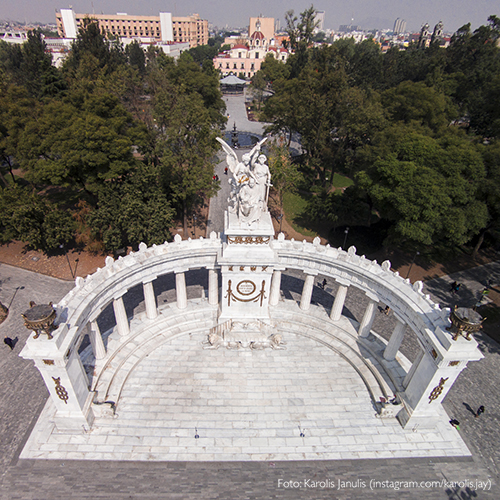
<point>244,404</point>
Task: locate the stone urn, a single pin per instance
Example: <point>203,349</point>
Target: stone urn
<point>464,321</point>
<point>40,319</point>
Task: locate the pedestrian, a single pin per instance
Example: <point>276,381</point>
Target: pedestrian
<point>479,411</point>
<point>455,423</point>
<point>387,310</point>
<point>216,177</point>
<point>456,288</point>
<point>9,342</point>
<point>324,284</point>
<point>213,177</point>
<point>225,170</point>
<point>453,285</point>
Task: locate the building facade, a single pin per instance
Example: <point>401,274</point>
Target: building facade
<point>164,27</point>
<point>245,59</point>
<point>399,26</point>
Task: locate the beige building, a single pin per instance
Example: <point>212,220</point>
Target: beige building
<point>163,27</point>
<point>245,58</point>
<point>263,24</point>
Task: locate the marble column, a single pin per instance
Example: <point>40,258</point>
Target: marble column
<point>213,287</point>
<point>180,289</point>
<point>413,368</point>
<point>338,303</point>
<point>367,321</point>
<point>395,341</point>
<point>121,317</point>
<point>150,300</point>
<point>274,296</point>
<point>307,290</point>
<point>96,340</point>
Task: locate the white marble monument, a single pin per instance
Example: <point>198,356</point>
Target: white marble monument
<point>247,259</point>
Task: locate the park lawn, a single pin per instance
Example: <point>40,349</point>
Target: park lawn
<point>341,181</point>
<point>295,206</point>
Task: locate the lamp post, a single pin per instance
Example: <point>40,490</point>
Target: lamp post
<point>345,237</point>
<point>411,265</point>
<point>73,275</point>
<point>280,218</point>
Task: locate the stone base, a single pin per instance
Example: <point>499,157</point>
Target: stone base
<point>410,419</point>
<point>240,334</point>
<point>72,420</point>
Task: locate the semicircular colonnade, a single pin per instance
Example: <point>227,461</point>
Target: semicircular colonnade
<point>426,381</point>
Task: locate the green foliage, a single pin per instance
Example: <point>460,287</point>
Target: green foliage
<point>185,148</point>
<point>273,70</point>
<point>91,42</point>
<point>31,218</point>
<point>417,103</point>
<point>339,208</point>
<point>428,188</point>
<point>87,146</point>
<point>285,176</point>
<point>131,210</point>
<point>136,56</point>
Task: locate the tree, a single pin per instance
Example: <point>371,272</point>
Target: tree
<point>83,146</point>
<point>273,70</point>
<point>428,188</point>
<point>31,218</point>
<point>285,176</point>
<point>300,36</point>
<point>136,57</point>
<point>301,32</point>
<point>17,110</point>
<point>185,148</point>
<point>258,86</point>
<point>411,102</point>
<point>131,210</point>
<point>91,42</point>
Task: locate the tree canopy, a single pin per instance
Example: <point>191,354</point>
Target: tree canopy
<point>104,151</point>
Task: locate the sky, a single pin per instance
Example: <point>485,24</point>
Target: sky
<point>368,14</point>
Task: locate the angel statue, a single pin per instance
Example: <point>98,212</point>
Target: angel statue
<point>249,182</point>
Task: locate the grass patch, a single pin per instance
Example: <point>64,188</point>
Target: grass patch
<point>341,181</point>
<point>295,207</point>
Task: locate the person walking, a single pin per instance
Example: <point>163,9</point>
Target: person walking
<point>479,411</point>
<point>455,423</point>
<point>8,341</point>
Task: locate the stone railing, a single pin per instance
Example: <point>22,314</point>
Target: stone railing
<point>379,282</point>
<point>91,295</point>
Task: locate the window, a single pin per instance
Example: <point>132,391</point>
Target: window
<point>242,65</point>
<point>234,66</point>
<point>253,66</point>
<point>239,55</point>
<point>227,65</point>
<point>256,55</point>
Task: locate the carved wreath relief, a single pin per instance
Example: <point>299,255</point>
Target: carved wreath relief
<point>245,288</point>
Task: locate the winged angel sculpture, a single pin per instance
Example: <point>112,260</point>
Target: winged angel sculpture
<point>250,181</point>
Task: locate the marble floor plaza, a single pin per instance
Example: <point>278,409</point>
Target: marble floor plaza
<point>242,404</point>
